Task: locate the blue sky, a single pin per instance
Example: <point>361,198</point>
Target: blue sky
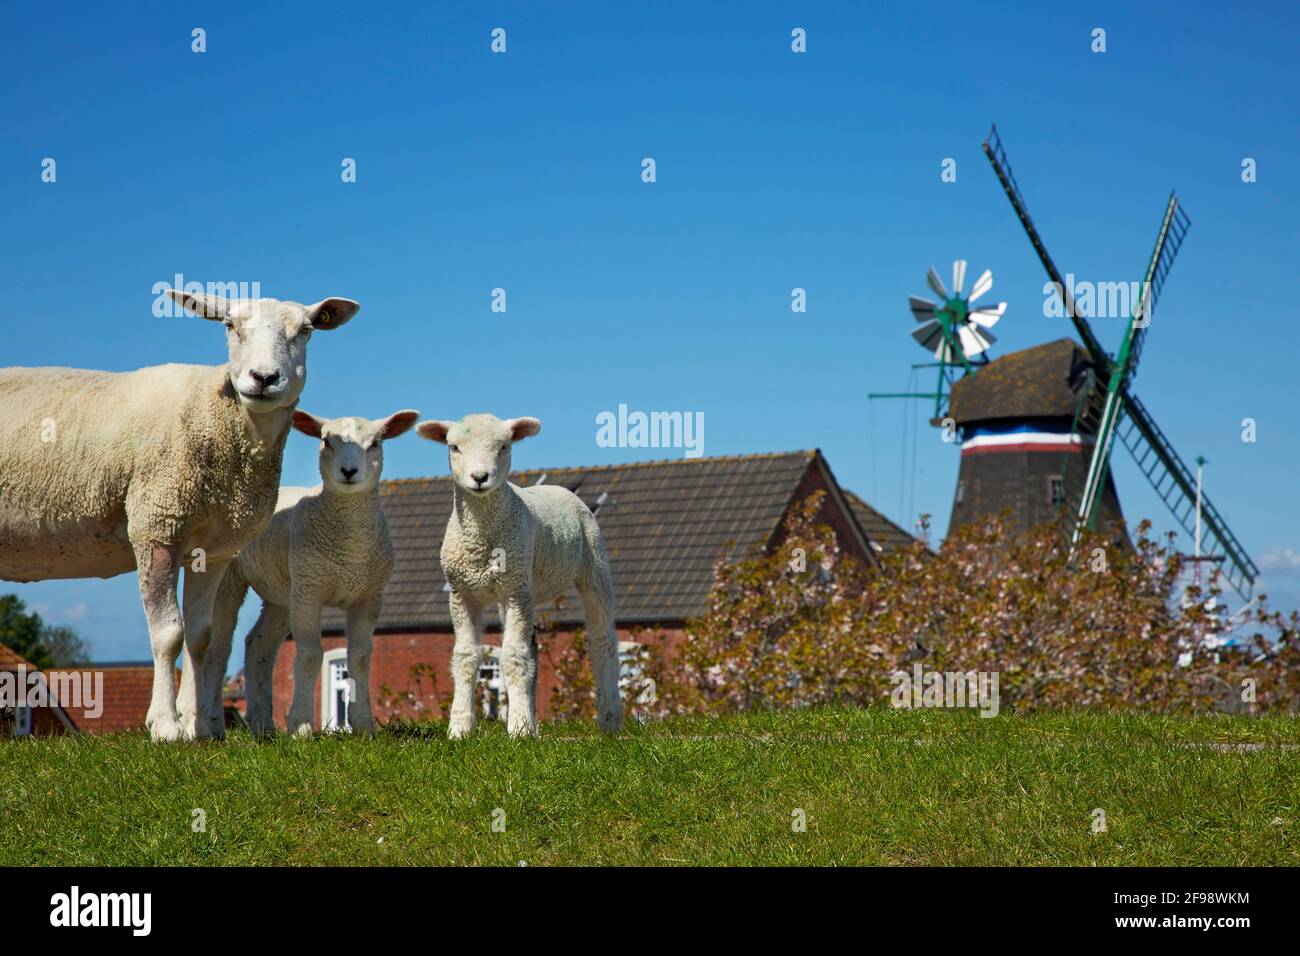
<point>775,170</point>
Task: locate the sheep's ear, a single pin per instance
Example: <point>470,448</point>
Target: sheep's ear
<point>398,423</point>
<point>208,306</point>
<point>434,430</point>
<point>521,428</point>
<point>331,313</point>
<point>307,423</point>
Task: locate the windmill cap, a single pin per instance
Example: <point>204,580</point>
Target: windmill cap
<point>1040,382</point>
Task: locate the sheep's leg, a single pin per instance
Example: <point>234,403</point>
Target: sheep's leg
<point>362,617</point>
<point>159,567</point>
<point>519,666</point>
<point>261,646</point>
<point>304,617</point>
<point>466,658</point>
<point>199,594</point>
<point>602,645</point>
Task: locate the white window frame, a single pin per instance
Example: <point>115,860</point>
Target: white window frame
<point>1055,482</point>
<point>630,673</point>
<point>494,687</point>
<point>329,716</point>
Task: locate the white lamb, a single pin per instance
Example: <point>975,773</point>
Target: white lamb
<point>518,548</point>
<point>103,472</point>
<point>325,547</point>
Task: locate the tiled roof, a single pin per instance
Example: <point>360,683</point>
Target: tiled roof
<point>126,693</point>
<point>665,523</point>
<point>883,534</point>
<point>1039,382</point>
<point>11,659</point>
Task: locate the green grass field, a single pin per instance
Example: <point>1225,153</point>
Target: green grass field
<point>875,787</point>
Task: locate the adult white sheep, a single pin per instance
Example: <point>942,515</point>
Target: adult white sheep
<point>105,472</point>
<point>518,547</point>
<point>325,547</point>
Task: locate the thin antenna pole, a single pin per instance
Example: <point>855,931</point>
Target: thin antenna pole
<point>1200,466</point>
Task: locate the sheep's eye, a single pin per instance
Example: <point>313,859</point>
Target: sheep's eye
<point>455,449</point>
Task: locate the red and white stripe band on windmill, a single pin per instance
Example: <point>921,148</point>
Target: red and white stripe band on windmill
<point>1021,437</point>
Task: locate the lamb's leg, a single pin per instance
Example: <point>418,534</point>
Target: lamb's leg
<point>225,614</point>
<point>159,567</point>
<point>602,644</point>
<point>466,658</point>
<point>304,617</point>
<point>361,635</point>
<point>261,647</point>
<point>519,665</point>
<point>198,596</point>
<point>212,678</point>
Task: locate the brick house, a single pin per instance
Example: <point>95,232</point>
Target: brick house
<point>121,703</point>
<point>127,689</point>
<point>20,721</point>
<point>665,524</point>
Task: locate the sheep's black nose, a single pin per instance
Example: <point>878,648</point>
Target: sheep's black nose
<point>348,472</point>
<point>265,378</point>
<point>479,477</point>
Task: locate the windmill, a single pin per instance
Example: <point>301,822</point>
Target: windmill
<point>1108,407</point>
<point>955,330</point>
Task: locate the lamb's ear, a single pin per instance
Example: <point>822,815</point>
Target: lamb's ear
<point>307,423</point>
<point>521,428</point>
<point>398,423</point>
<point>434,430</point>
<point>330,313</point>
<point>208,306</point>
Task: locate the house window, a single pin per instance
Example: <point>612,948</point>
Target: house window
<point>336,691</point>
<point>1056,490</point>
<point>22,721</point>
<point>493,690</point>
<point>961,491</point>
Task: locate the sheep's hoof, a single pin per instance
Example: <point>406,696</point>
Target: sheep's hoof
<point>162,729</point>
<point>524,731</point>
<point>259,725</point>
<point>194,729</point>
<point>458,731</point>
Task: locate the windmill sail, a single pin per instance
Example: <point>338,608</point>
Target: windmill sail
<point>1121,369</point>
<point>1173,231</point>
<point>1156,458</point>
<point>1176,485</point>
<point>998,157</point>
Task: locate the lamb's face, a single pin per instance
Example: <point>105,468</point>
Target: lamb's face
<point>266,342</point>
<point>478,447</point>
<point>351,449</point>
